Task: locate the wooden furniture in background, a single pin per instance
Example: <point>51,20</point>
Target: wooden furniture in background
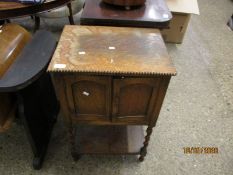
<point>13,39</point>
<point>10,10</point>
<point>109,79</point>
<point>7,111</point>
<point>154,14</point>
<point>63,12</point>
<point>32,89</point>
<point>125,2</point>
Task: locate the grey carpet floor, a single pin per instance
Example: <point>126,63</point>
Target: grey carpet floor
<point>197,112</point>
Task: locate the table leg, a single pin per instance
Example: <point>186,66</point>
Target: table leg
<point>38,109</point>
<point>143,151</point>
<point>72,132</point>
<point>37,23</point>
<point>2,22</point>
<point>71,19</point>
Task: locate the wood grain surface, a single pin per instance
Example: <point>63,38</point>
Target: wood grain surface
<point>154,14</point>
<point>110,76</point>
<point>108,50</point>
<point>11,5</point>
<point>10,10</point>
<point>13,38</point>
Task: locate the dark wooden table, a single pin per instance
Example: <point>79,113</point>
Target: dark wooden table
<point>154,14</point>
<point>27,80</point>
<point>10,10</point>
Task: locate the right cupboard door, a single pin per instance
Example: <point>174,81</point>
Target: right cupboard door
<point>134,99</point>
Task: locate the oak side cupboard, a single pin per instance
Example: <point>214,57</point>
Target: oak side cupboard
<point>110,81</point>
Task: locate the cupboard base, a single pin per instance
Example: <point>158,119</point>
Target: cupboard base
<point>108,139</point>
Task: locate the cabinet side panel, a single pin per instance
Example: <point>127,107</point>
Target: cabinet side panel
<point>60,89</point>
<point>159,99</point>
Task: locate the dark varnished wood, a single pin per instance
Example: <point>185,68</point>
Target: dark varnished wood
<point>156,110</point>
<point>88,97</point>
<point>125,2</point>
<point>38,109</point>
<point>132,98</point>
<point>13,9</point>
<point>153,14</point>
<point>121,85</point>
<point>36,101</point>
<point>123,100</point>
<point>143,150</point>
<point>71,19</point>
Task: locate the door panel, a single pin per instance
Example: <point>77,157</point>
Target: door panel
<point>89,97</point>
<point>132,99</point>
<point>137,96</point>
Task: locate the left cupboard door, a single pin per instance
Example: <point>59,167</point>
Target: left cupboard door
<point>89,97</point>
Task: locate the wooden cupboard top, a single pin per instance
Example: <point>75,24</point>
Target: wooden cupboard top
<point>111,50</point>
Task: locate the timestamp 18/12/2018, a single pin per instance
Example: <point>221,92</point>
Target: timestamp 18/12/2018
<point>200,150</point>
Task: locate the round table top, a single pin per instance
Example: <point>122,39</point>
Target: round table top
<point>15,9</point>
<point>11,5</point>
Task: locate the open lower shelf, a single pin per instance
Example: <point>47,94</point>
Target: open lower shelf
<point>109,139</point>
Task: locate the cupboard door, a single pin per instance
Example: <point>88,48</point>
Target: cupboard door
<point>89,97</point>
<point>133,99</point>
